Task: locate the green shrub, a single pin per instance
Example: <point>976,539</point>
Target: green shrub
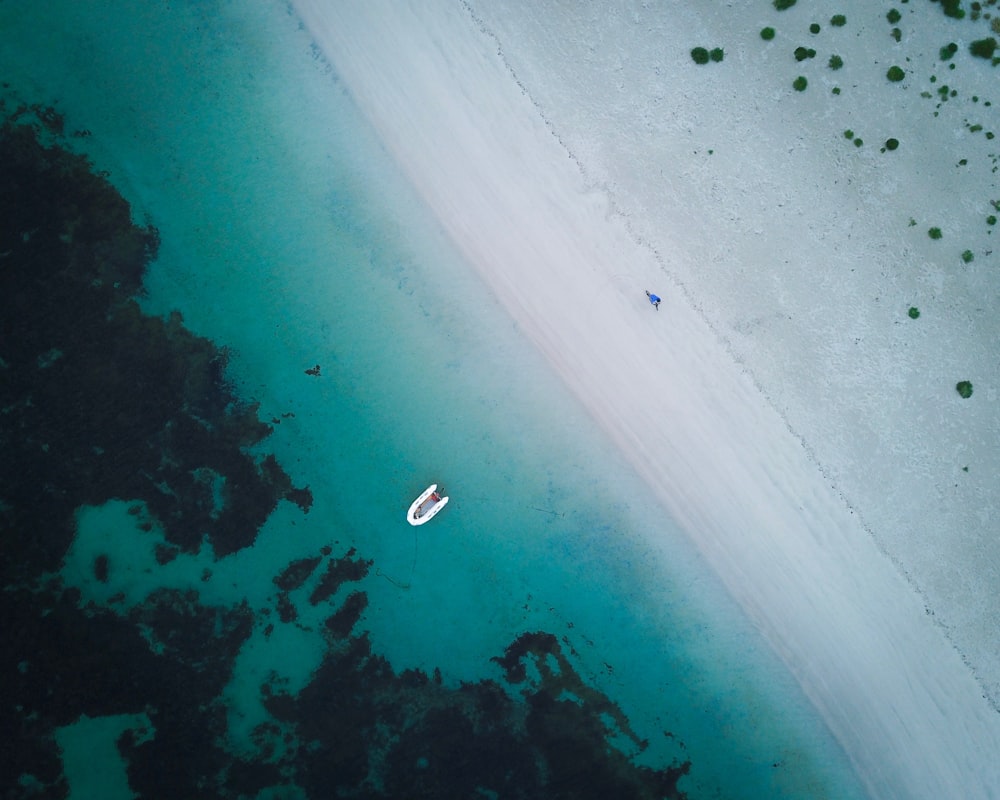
<point>897,34</point>
<point>967,256</point>
<point>893,16</point>
<point>964,388</point>
<point>891,144</point>
<point>717,54</point>
<point>934,233</point>
<point>767,34</point>
<point>814,28</point>
<point>800,84</point>
<point>991,220</point>
<point>802,53</point>
<point>858,141</point>
<point>848,134</point>
<point>946,52</point>
<point>895,74</point>
<point>983,48</point>
<point>953,8</point>
<point>781,5</point>
<point>914,312</point>
<point>836,62</point>
<point>838,20</point>
<point>699,55</point>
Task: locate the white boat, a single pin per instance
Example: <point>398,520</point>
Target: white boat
<point>427,505</point>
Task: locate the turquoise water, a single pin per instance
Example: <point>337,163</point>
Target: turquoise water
<point>287,237</point>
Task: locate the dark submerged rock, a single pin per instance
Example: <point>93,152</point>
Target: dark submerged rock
<point>338,572</point>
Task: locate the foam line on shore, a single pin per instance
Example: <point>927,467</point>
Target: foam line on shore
<point>851,629</point>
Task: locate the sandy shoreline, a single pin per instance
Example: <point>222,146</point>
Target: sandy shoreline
<point>804,249</point>
<point>850,627</point>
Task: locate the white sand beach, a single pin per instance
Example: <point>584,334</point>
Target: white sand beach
<point>806,439</point>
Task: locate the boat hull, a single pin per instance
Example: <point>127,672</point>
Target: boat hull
<point>426,506</point>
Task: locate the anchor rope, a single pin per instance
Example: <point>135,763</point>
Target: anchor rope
<point>413,567</point>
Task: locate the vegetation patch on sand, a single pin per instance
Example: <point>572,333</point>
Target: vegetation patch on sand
<point>952,8</point>
<point>983,48</point>
<point>702,55</point>
<point>946,52</point>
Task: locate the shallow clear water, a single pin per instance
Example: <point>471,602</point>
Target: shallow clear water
<point>287,237</point>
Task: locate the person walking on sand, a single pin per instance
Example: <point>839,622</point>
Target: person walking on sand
<point>654,300</point>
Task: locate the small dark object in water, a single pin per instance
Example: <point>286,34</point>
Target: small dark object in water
<point>101,568</point>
